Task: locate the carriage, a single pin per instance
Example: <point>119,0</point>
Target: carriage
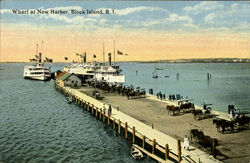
<point>185,105</point>
<point>197,136</point>
<point>204,113</point>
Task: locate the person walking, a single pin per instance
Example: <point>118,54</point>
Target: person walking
<point>186,143</point>
<point>110,109</point>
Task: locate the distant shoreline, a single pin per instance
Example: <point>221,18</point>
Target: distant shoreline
<point>193,60</point>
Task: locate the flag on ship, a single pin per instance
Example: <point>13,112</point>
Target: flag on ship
<point>48,60</point>
<point>33,60</point>
<point>125,54</point>
<point>119,53</point>
<point>78,54</point>
<point>94,56</point>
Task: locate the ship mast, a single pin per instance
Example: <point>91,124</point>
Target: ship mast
<point>114,51</point>
<point>103,54</point>
<point>36,48</point>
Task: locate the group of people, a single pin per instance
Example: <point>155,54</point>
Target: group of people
<point>172,97</point>
<point>109,109</point>
<point>161,96</point>
<point>234,114</point>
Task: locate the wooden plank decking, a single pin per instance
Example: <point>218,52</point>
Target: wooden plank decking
<point>142,129</point>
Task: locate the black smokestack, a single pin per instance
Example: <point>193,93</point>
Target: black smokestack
<point>84,57</point>
<point>40,57</point>
<point>109,55</point>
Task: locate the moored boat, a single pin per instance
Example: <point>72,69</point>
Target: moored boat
<point>136,153</point>
<point>37,72</point>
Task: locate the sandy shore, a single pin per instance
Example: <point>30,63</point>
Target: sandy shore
<point>233,147</point>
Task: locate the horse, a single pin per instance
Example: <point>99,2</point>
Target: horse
<point>174,109</point>
<point>242,121</point>
<point>223,124</point>
<point>131,94</point>
<point>197,113</point>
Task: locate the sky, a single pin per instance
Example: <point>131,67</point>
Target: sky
<point>145,30</point>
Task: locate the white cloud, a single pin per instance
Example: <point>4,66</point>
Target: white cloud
<point>175,18</point>
<point>76,20</point>
<point>210,18</point>
<point>102,21</point>
<point>172,19</point>
<point>203,7</point>
<point>190,25</point>
<point>234,14</point>
<point>131,10</point>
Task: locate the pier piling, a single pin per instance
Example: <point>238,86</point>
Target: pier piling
<point>179,150</point>
<point>100,115</point>
<point>108,120</point>
<point>119,126</point>
<point>103,116</point>
<point>126,130</point>
<point>143,141</point>
<point>96,112</point>
<point>133,133</point>
<point>92,109</point>
<point>166,151</point>
<point>153,146</point>
<point>114,123</point>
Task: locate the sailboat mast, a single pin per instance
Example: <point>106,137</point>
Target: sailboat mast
<point>36,49</point>
<point>114,51</point>
<point>42,52</point>
<point>103,54</point>
<point>42,47</point>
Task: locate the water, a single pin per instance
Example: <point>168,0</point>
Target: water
<point>38,125</point>
<point>229,83</point>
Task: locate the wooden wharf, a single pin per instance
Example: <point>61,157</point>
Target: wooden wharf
<point>155,144</point>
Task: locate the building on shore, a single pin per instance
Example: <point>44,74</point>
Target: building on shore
<point>65,79</point>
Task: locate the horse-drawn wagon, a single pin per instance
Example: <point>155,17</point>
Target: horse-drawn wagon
<point>185,105</point>
<point>197,136</point>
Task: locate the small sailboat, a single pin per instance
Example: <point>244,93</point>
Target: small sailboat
<point>154,75</point>
<point>158,68</point>
<point>136,153</point>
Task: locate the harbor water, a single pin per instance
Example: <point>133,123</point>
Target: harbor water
<point>38,125</point>
<point>229,83</point>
